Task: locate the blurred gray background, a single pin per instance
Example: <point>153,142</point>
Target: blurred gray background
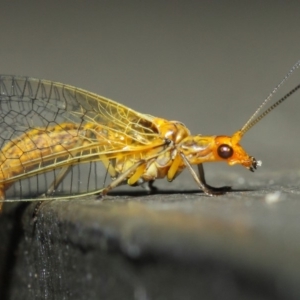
<point>208,64</point>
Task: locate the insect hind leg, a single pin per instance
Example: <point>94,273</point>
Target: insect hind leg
<point>57,181</point>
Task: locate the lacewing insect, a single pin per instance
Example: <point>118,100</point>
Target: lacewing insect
<point>49,129</point>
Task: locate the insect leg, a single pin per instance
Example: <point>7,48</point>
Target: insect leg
<point>56,182</point>
<point>107,164</point>
<point>149,187</point>
<point>172,173</point>
<point>2,196</point>
<point>123,176</point>
<point>207,189</point>
<point>137,174</point>
<point>65,170</point>
<point>222,189</point>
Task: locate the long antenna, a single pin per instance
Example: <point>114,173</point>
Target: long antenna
<point>252,121</point>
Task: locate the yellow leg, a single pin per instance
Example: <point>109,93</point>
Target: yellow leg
<point>174,168</point>
<point>2,197</point>
<point>200,180</point>
<point>107,164</point>
<point>123,176</point>
<point>137,174</point>
<point>57,181</point>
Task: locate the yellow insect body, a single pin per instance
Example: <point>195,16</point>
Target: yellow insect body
<point>49,127</point>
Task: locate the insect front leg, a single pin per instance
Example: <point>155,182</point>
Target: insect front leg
<point>200,180</point>
<point>211,190</point>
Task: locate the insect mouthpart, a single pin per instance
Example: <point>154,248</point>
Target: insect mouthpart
<point>255,164</point>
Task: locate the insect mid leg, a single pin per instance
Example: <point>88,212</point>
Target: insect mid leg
<point>122,177</point>
<point>149,187</point>
<point>172,173</point>
<point>137,174</point>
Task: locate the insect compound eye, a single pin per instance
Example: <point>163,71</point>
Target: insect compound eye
<point>225,151</point>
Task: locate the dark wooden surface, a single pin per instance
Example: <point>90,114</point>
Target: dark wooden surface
<point>171,245</point>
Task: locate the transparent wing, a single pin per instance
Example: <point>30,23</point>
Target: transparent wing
<point>47,126</point>
<point>29,103</point>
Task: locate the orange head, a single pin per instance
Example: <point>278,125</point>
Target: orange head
<point>200,149</point>
<point>228,149</point>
